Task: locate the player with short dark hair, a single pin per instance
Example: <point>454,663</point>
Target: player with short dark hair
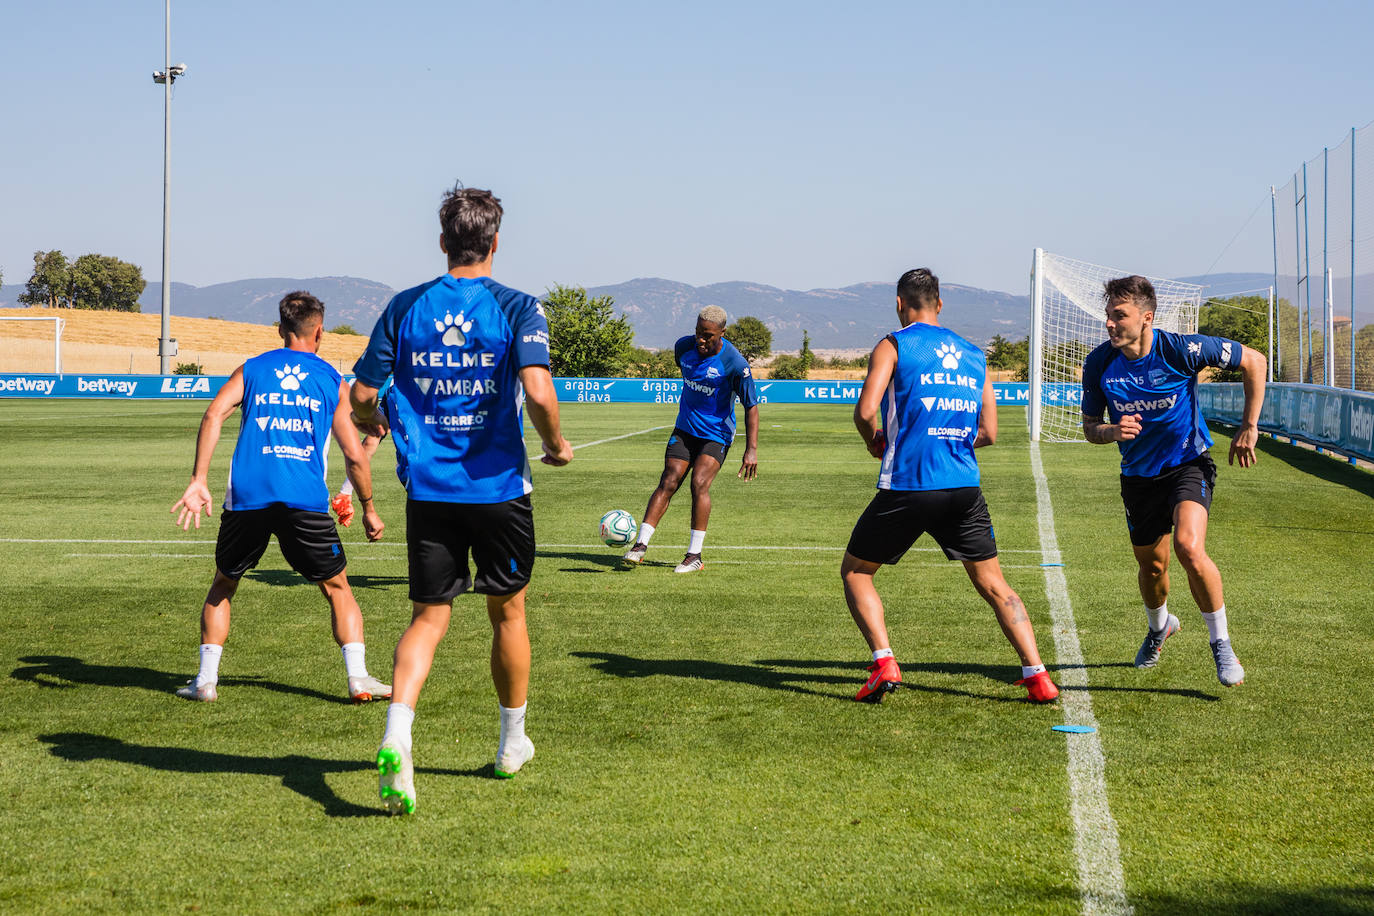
<point>714,373</point>
<point>1146,381</point>
<point>466,355</point>
<point>291,401</point>
<point>937,406</point>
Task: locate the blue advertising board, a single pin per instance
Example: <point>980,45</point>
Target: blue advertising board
<point>1338,419</point>
<point>668,391</point>
<point>570,390</point>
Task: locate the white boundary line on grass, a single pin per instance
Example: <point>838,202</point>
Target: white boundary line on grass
<point>614,438</point>
<point>1095,841</point>
<point>387,543</point>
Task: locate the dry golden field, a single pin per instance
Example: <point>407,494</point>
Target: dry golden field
<point>117,342</point>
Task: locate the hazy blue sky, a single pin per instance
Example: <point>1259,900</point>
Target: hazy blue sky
<point>796,144</point>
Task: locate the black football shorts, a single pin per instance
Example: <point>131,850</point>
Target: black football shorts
<point>957,519</point>
<point>308,540</point>
<point>440,535</point>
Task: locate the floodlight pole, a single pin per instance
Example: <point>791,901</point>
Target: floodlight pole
<point>166,346</point>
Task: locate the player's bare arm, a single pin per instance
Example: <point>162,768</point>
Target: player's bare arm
<point>197,497</point>
<point>749,467</point>
<point>367,415</point>
<point>987,417</point>
<point>356,464</point>
<point>1253,368</point>
<point>1099,432</point>
<point>541,400</point>
<point>880,366</point>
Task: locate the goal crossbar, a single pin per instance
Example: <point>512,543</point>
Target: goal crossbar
<point>58,324</point>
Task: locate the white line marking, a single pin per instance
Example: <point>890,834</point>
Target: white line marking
<point>614,438</point>
<point>356,544</point>
<point>1096,846</point>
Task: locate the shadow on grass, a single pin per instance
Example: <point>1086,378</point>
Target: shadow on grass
<point>1252,900</point>
<point>997,673</point>
<point>64,671</point>
<point>772,674</point>
<point>281,577</point>
<point>600,562</point>
<point>1332,470</point>
<point>302,775</point>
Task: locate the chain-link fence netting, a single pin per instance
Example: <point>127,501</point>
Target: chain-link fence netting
<point>1324,268</point>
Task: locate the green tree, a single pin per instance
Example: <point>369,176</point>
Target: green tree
<point>50,282</point>
<point>806,356</point>
<point>586,339</point>
<point>1004,354</point>
<point>1241,318</point>
<point>344,329</point>
<point>751,337</point>
<point>794,367</point>
<point>644,363</point>
<point>101,282</point>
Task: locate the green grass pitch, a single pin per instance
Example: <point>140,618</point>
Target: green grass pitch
<point>698,750</point>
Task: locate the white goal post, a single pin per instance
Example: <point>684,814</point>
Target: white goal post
<point>1068,319</point>
<point>58,324</point>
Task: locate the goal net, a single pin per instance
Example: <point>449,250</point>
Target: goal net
<point>1068,320</point>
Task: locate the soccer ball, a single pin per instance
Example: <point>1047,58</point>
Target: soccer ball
<point>618,528</point>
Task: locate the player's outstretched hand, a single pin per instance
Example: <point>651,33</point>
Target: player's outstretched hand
<point>373,525</point>
<point>559,454</point>
<point>193,502</point>
<point>1243,446</point>
<point>1129,427</point>
<point>749,467</point>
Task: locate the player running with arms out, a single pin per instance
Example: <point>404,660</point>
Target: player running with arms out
<point>938,406</point>
<point>1146,381</point>
<point>714,373</point>
<point>467,355</point>
<point>291,401</point>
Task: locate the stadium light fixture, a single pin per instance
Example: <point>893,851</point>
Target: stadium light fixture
<point>166,346</point>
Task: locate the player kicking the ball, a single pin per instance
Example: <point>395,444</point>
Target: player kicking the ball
<point>469,355</point>
<point>291,401</point>
<point>1146,381</point>
<point>938,407</point>
<point>714,373</point>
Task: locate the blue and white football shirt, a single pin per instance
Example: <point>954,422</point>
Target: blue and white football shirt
<point>455,348</point>
<point>931,409</point>
<point>1161,387</point>
<point>289,398</point>
<point>710,385</point>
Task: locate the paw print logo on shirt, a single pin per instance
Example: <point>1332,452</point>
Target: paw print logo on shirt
<point>454,329</point>
<point>291,377</point>
<point>949,357</point>
<point>1194,346</point>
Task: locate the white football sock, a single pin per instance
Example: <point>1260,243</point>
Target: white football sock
<point>879,654</point>
<point>1031,670</point>
<point>512,723</point>
<point>1158,616</point>
<point>698,539</point>
<point>399,717</point>
<point>209,663</point>
<point>354,659</point>
<point>1216,624</point>
<point>646,531</point>
<point>347,488</point>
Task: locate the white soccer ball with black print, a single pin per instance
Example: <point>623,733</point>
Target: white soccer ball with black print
<point>618,528</point>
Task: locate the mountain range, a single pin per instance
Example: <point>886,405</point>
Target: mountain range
<point>660,311</point>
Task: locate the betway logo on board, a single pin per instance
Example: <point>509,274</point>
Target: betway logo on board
<point>126,387</point>
<point>1362,424</point>
<point>23,383</point>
